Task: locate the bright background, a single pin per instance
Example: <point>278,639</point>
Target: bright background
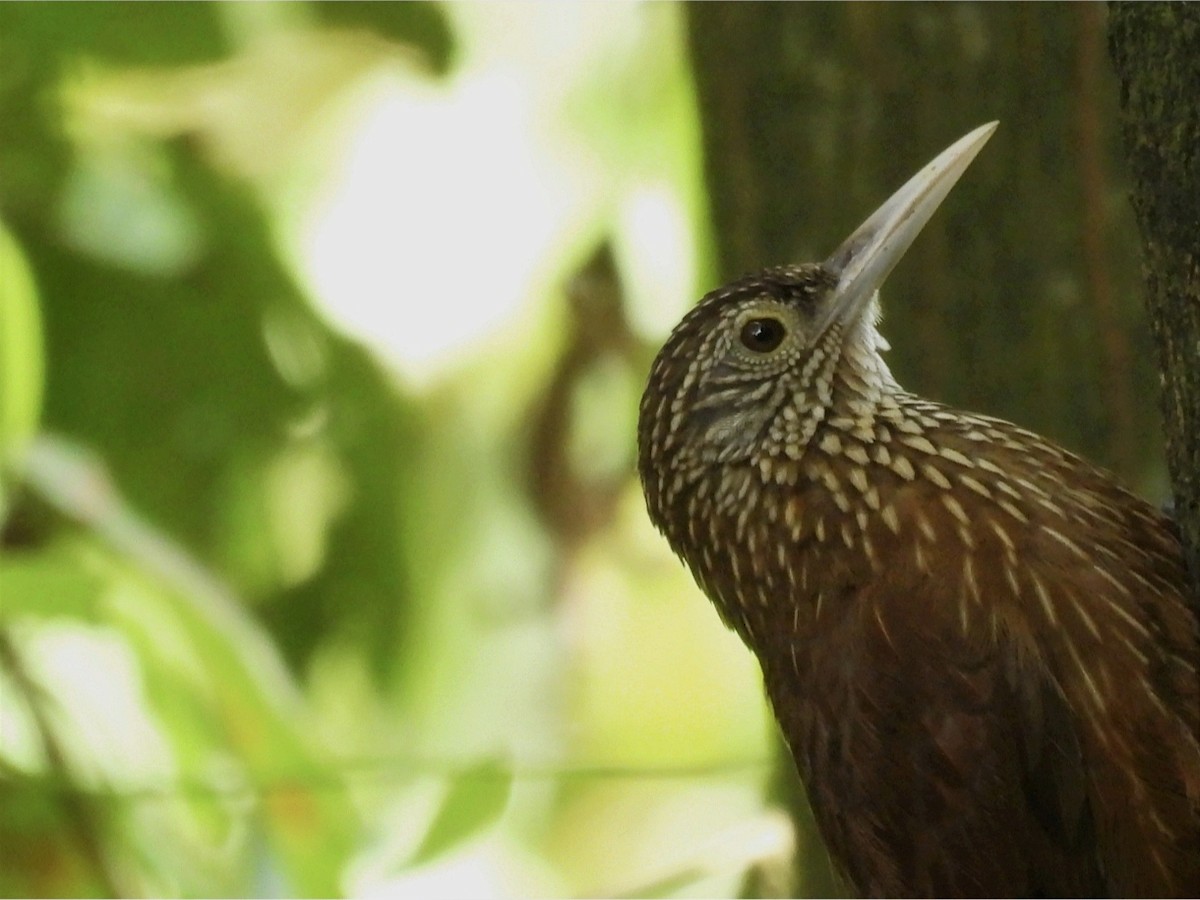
<point>326,572</point>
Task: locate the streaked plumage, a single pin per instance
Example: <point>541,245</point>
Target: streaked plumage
<point>977,645</point>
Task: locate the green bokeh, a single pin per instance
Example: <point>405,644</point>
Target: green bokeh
<point>21,363</point>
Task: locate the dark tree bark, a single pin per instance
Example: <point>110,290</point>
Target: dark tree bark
<point>1156,52</point>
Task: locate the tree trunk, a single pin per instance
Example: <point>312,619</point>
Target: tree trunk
<point>1156,51</point>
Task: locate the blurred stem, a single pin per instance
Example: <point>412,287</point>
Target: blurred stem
<point>83,823</point>
<point>261,710</point>
<point>76,483</point>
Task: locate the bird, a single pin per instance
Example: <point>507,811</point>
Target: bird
<point>980,648</point>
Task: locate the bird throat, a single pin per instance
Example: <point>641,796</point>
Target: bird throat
<point>786,506</point>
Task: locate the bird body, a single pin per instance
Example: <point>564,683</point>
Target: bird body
<point>977,645</point>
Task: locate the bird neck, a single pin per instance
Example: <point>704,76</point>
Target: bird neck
<point>862,377</point>
<point>777,539</point>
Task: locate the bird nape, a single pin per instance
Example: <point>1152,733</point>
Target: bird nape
<point>977,645</point>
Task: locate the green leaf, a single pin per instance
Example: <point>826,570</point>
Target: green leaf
<point>417,24</point>
<point>21,363</point>
<point>131,34</point>
<point>475,800</point>
<point>51,583</point>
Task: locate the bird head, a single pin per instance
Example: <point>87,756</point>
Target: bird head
<point>756,367</point>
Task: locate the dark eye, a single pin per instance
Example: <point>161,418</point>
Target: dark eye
<point>763,335</point>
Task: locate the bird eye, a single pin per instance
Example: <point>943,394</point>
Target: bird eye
<point>763,335</point>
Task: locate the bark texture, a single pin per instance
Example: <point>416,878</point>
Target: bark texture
<point>1156,52</point>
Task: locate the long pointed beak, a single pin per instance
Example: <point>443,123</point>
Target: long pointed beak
<point>868,256</point>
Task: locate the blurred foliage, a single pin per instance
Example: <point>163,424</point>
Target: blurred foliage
<point>322,566</point>
<point>21,364</point>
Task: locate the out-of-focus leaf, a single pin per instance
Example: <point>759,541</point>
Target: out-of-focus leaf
<point>33,152</point>
<point>187,628</point>
<point>363,593</point>
<point>51,583</point>
<point>418,24</point>
<point>21,365</point>
<point>39,856</point>
<point>668,886</point>
<point>475,800</point>
<point>188,389</point>
<point>132,34</point>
